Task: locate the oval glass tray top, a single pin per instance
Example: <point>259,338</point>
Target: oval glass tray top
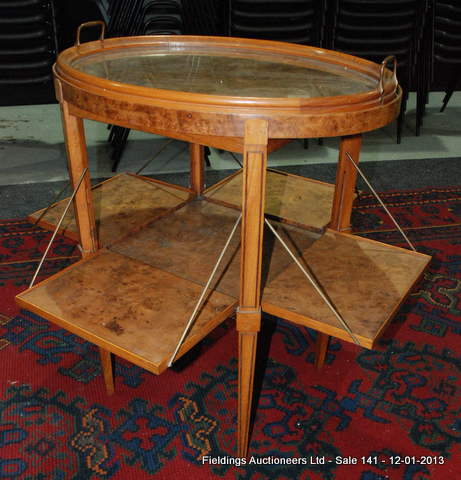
<point>233,73</point>
<point>228,67</point>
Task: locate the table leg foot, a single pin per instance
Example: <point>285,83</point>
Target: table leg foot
<point>321,347</point>
<point>106,365</point>
<point>247,356</point>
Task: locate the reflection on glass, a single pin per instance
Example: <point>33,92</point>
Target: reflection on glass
<point>244,74</point>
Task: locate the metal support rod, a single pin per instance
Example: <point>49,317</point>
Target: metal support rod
<point>314,283</point>
<point>56,198</point>
<point>380,201</point>
<point>82,176</point>
<point>156,154</point>
<point>202,296</point>
<point>236,159</point>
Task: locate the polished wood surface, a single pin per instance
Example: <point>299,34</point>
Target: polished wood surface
<point>252,230</point>
<point>346,179</point>
<point>121,204</point>
<point>321,346</point>
<point>77,163</point>
<point>369,278</point>
<point>366,281</point>
<point>127,202</point>
<point>187,243</point>
<point>126,307</point>
<point>178,113</point>
<point>296,200</point>
<point>107,370</point>
<point>197,168</point>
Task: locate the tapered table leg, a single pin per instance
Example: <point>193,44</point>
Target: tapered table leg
<point>77,161</point>
<point>83,206</point>
<point>321,347</point>
<point>247,355</point>
<point>106,364</point>
<point>249,311</point>
<point>197,177</point>
<point>346,178</point>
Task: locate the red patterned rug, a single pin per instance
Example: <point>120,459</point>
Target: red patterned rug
<point>394,412</point>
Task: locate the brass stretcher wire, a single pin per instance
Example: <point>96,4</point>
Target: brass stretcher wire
<point>56,198</point>
<point>58,195</point>
<point>318,288</point>
<point>82,176</point>
<point>234,157</point>
<point>198,305</point>
<point>373,191</point>
<point>156,154</point>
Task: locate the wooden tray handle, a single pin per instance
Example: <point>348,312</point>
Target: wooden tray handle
<point>384,63</point>
<point>94,23</point>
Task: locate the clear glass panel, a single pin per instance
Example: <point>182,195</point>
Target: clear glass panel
<point>241,73</point>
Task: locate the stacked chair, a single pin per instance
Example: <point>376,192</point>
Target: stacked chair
<point>424,35</point>
<point>375,29</point>
<point>205,17</point>
<point>137,17</point>
<point>28,44</point>
<point>425,64</point>
<point>144,17</point>
<point>440,57</point>
<point>447,44</point>
<point>297,21</point>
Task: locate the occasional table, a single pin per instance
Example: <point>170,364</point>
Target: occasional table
<point>148,247</point>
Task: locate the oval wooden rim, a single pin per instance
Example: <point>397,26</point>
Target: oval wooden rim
<point>355,102</point>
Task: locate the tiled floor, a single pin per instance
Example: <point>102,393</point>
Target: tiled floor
<point>32,148</point>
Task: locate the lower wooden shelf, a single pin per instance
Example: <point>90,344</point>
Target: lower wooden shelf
<point>289,198</point>
<point>188,242</point>
<point>127,202</point>
<point>365,280</point>
<point>135,297</point>
<point>122,204</point>
<point>127,307</point>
